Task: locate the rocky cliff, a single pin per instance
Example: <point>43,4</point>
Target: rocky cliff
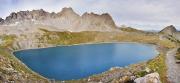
<point>171,33</point>
<point>169,30</point>
<point>67,20</point>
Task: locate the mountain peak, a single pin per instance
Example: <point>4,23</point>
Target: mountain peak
<point>26,15</point>
<point>169,30</point>
<point>65,19</point>
<point>106,15</point>
<point>67,11</point>
<point>1,19</point>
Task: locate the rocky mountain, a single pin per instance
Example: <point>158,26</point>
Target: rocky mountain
<point>169,30</point>
<point>66,20</point>
<point>1,20</point>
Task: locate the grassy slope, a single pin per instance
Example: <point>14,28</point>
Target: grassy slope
<point>158,64</point>
<point>10,61</point>
<point>178,54</point>
<point>16,64</point>
<point>66,38</point>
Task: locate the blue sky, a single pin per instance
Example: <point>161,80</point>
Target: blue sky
<point>142,14</point>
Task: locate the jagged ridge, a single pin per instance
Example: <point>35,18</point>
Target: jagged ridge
<point>66,19</point>
<point>169,30</point>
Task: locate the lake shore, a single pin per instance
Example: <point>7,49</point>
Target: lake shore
<point>108,51</point>
<point>83,44</point>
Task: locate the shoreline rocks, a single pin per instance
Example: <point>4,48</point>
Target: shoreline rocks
<point>149,78</point>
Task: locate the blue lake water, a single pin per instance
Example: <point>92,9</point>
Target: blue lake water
<point>80,61</point>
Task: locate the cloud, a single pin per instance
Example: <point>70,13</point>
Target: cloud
<point>143,14</point>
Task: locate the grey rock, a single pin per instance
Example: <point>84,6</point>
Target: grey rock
<point>65,20</point>
<point>26,15</point>
<point>1,20</point>
<point>149,78</point>
<point>169,30</point>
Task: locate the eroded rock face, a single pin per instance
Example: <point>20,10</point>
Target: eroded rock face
<point>169,30</point>
<point>1,20</point>
<point>67,20</point>
<point>26,15</point>
<point>150,78</point>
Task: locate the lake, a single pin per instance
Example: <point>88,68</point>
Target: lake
<point>80,61</point>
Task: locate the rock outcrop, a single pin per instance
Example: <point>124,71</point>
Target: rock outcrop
<point>170,33</point>
<point>1,20</point>
<point>11,71</point>
<point>150,78</point>
<point>67,20</point>
<point>169,30</point>
<point>26,15</point>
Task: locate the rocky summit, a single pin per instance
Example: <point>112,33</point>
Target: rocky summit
<point>169,30</point>
<point>66,20</point>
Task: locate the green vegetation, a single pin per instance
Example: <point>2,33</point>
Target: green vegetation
<point>158,65</point>
<point>178,54</point>
<point>129,29</point>
<point>167,44</point>
<point>7,40</point>
<point>141,73</point>
<point>68,38</point>
<point>138,37</point>
<point>172,38</point>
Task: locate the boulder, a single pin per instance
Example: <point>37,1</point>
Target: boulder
<point>149,78</point>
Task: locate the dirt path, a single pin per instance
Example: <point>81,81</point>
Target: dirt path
<point>173,68</point>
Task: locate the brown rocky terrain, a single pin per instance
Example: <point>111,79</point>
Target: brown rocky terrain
<point>170,32</point>
<point>67,20</point>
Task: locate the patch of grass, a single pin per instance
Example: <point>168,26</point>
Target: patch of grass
<point>68,38</point>
<point>178,54</point>
<point>129,29</point>
<point>167,43</point>
<point>138,37</point>
<point>141,73</point>
<point>177,57</point>
<point>158,65</point>
<point>7,40</point>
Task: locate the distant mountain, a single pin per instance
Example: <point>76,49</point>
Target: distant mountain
<point>169,30</point>
<point>1,20</point>
<point>67,19</point>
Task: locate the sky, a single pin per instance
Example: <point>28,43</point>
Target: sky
<point>140,14</point>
